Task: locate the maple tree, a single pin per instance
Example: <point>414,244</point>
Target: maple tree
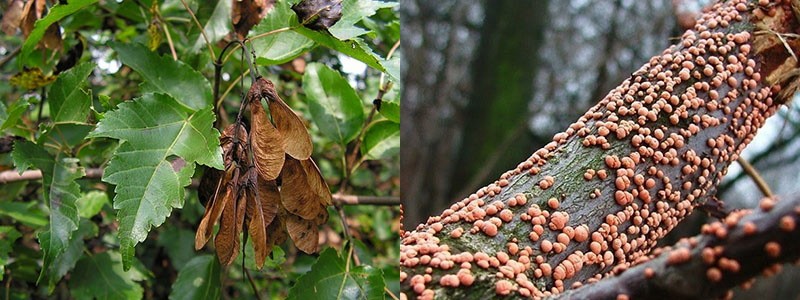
<point>121,121</point>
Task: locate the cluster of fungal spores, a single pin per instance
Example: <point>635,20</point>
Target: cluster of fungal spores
<point>270,183</point>
<point>597,199</point>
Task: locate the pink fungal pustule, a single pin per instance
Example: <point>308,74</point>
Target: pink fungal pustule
<point>658,141</point>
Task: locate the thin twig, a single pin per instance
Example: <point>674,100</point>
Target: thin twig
<point>202,30</point>
<point>365,200</point>
<point>169,39</point>
<point>279,30</point>
<point>8,57</point>
<point>388,291</point>
<point>757,179</point>
<point>252,282</point>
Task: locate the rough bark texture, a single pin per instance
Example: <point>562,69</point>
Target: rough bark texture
<point>599,197</point>
<point>727,254</point>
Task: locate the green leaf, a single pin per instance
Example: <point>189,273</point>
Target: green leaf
<point>352,12</point>
<point>68,101</point>
<point>162,74</point>
<point>391,111</point>
<point>91,203</point>
<point>8,235</point>
<point>179,245</point>
<point>10,116</point>
<point>61,192</point>
<point>331,277</point>
<point>66,261</point>
<point>25,213</point>
<point>161,142</point>
<point>216,27</point>
<point>64,136</point>
<point>199,279</point>
<point>57,12</point>
<point>26,155</point>
<point>355,48</point>
<point>101,277</point>
<point>279,47</point>
<point>382,140</point>
<point>334,105</point>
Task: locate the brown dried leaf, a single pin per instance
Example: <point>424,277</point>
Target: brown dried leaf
<point>12,17</point>
<point>297,195</point>
<point>276,231</point>
<point>304,233</point>
<point>316,182</point>
<point>270,199</point>
<point>223,194</point>
<point>227,239</point>
<point>266,142</point>
<point>296,140</point>
<point>33,11</point>
<point>248,13</point>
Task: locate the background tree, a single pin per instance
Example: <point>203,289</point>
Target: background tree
<point>111,115</point>
<point>580,78</point>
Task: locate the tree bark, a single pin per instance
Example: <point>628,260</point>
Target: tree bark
<point>598,198</point>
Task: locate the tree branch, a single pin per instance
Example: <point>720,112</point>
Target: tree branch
<point>745,245</point>
<point>11,176</point>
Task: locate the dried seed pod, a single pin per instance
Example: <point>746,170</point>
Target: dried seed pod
<point>296,140</point>
<point>262,205</point>
<point>300,191</point>
<point>227,240</point>
<point>214,207</point>
<point>265,141</point>
<point>304,233</point>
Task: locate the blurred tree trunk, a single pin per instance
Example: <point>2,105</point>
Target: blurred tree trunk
<point>503,76</point>
<point>438,37</point>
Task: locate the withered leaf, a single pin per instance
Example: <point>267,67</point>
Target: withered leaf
<point>227,239</point>
<point>297,195</point>
<point>304,233</point>
<point>12,17</point>
<point>266,143</point>
<point>316,182</point>
<point>296,140</point>
<point>276,232</point>
<point>248,13</point>
<point>318,14</point>
<point>224,193</point>
<point>262,206</point>
<point>270,198</point>
<point>31,78</point>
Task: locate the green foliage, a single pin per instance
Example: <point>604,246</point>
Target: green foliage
<point>161,142</point>
<point>122,138</point>
<point>69,102</point>
<point>382,140</point>
<point>334,105</point>
<point>163,75</point>
<point>101,276</point>
<point>334,275</point>
<point>57,12</point>
<point>199,279</point>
